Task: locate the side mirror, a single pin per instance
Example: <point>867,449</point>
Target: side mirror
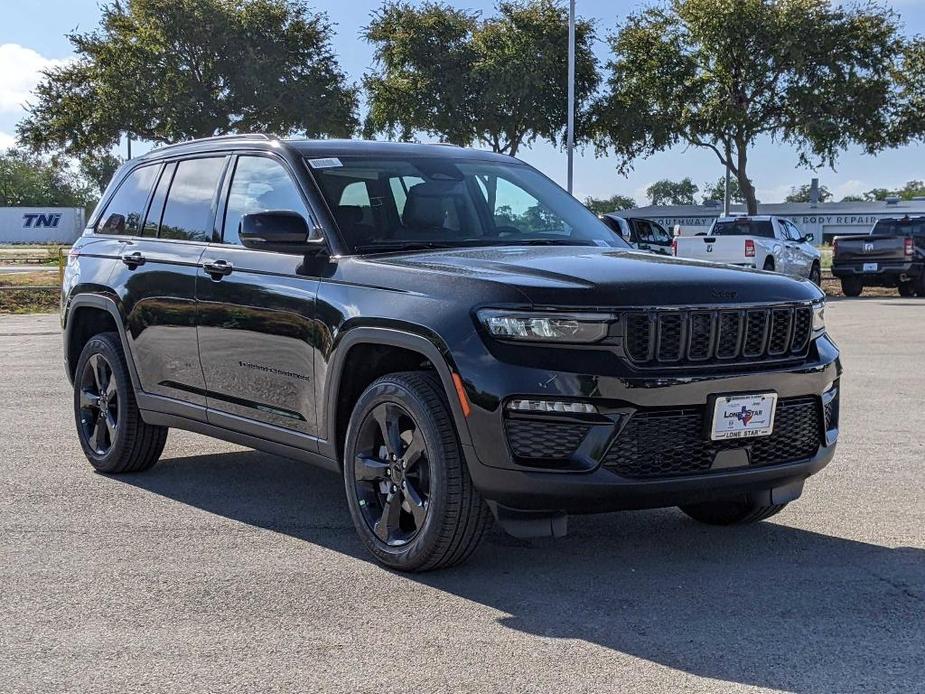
<point>809,238</point>
<point>280,231</point>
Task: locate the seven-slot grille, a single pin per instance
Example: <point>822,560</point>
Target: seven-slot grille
<point>702,336</point>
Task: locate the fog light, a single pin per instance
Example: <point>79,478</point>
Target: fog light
<point>552,406</point>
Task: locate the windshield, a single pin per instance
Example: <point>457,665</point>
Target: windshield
<point>427,202</point>
<point>900,227</point>
<point>744,227</point>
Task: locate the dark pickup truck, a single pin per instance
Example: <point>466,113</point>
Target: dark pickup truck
<point>891,255</point>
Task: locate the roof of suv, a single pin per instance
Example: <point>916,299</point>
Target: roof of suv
<point>323,148</point>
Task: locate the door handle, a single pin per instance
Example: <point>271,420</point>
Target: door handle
<point>218,268</point>
<point>133,259</point>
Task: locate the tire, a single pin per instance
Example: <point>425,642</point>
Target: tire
<point>851,286</point>
<point>815,275</point>
<point>731,511</point>
<point>768,264</point>
<point>427,515</point>
<point>907,288</point>
<point>114,437</point>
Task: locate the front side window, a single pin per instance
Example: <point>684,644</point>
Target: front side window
<point>260,184</point>
<point>437,202</point>
<point>190,203</point>
<point>124,213</point>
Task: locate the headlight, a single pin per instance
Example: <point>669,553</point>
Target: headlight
<point>818,319</point>
<point>545,327</point>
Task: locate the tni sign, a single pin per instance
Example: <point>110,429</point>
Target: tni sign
<point>36,221</point>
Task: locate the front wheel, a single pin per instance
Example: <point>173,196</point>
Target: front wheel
<point>731,511</point>
<point>410,495</point>
<point>112,433</point>
<point>851,286</point>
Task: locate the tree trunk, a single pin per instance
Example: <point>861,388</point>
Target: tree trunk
<point>745,184</point>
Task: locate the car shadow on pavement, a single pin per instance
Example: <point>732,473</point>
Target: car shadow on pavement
<point>766,605</point>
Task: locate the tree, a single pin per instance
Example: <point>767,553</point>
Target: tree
<point>666,192</point>
<point>853,198</point>
<point>721,74</point>
<point>879,194</point>
<point>98,168</point>
<point>912,189</point>
<point>169,70</point>
<point>717,191</point>
<point>500,82</point>
<point>611,204</point>
<point>802,193</point>
<point>27,180</point>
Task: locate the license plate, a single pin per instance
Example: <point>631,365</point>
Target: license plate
<point>743,416</point>
<point>870,267</point>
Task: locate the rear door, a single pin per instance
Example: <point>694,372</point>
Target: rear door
<point>158,279</point>
<point>258,332</point>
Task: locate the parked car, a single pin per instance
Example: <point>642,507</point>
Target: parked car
<point>644,234</point>
<point>447,329</point>
<point>764,242</point>
<point>892,255</point>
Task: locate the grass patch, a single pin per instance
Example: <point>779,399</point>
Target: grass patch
<point>30,292</point>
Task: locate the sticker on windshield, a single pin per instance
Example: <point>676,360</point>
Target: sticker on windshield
<point>325,163</point>
<point>601,242</point>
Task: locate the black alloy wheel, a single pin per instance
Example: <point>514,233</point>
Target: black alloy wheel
<point>392,474</point>
<point>99,404</point>
<point>815,275</point>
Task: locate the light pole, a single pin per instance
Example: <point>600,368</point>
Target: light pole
<point>570,135</point>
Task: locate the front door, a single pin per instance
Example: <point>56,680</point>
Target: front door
<point>257,329</point>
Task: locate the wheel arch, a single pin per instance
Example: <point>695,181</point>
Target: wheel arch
<point>88,315</point>
<point>339,391</point>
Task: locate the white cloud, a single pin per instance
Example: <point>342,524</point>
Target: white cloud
<point>20,70</point>
<point>6,141</point>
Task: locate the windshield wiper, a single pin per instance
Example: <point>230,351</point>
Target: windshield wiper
<point>400,246</point>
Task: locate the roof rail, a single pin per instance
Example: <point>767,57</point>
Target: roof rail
<point>213,138</point>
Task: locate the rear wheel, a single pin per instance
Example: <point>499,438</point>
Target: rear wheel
<point>731,511</point>
<point>851,286</point>
<point>815,275</point>
<point>409,491</point>
<point>769,264</point>
<point>112,434</point>
<point>907,289</point>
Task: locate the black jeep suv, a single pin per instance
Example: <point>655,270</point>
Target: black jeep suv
<point>447,329</point>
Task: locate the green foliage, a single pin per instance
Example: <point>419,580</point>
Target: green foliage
<point>666,192</point>
<point>500,81</point>
<point>717,191</point>
<point>912,189</point>
<point>169,70</point>
<point>720,74</point>
<point>802,193</point>
<point>853,198</point>
<point>98,168</point>
<point>909,99</point>
<point>611,204</point>
<point>28,180</point>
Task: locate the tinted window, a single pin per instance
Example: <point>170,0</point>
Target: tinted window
<point>744,227</point>
<point>260,184</point>
<point>900,227</point>
<point>188,213</point>
<point>153,220</point>
<point>448,201</point>
<point>125,211</point>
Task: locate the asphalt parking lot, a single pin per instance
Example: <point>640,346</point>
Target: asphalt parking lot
<point>224,569</point>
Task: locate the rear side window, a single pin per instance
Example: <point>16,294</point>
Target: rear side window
<point>124,213</point>
<point>190,206</point>
<point>744,227</point>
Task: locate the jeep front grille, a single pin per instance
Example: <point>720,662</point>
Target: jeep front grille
<point>723,336</point>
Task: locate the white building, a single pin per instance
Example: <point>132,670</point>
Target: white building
<point>41,224</point>
<point>824,220</point>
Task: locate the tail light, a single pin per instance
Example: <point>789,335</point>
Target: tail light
<point>674,246</point>
<point>749,248</point>
<point>910,246</point>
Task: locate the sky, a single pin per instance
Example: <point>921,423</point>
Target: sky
<point>32,38</point>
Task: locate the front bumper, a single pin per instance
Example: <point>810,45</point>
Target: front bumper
<point>586,482</point>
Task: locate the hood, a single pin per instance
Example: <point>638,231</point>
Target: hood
<point>604,277</point>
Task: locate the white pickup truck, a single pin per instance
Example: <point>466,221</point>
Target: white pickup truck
<point>763,242</point>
